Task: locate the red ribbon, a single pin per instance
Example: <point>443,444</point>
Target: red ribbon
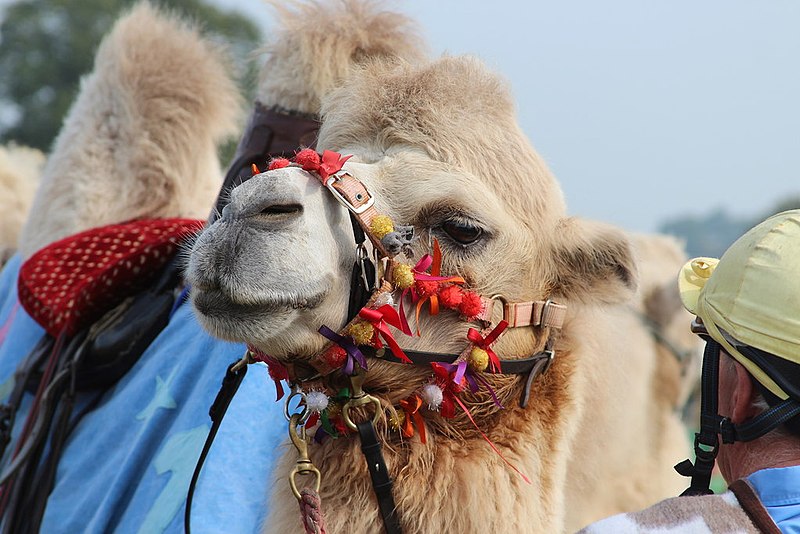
<point>485,342</point>
<point>332,162</point>
<point>492,445</point>
<point>277,371</point>
<point>379,319</point>
<point>411,408</point>
<point>450,377</point>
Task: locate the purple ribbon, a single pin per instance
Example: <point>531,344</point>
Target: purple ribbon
<point>353,354</point>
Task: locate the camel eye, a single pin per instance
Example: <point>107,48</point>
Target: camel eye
<point>462,232</point>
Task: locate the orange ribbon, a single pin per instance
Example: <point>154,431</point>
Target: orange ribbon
<point>413,418</point>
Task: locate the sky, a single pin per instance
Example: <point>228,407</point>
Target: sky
<point>644,110</point>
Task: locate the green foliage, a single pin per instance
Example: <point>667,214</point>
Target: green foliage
<point>712,234</point>
<point>47,45</point>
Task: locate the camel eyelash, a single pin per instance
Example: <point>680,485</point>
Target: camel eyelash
<point>453,227</point>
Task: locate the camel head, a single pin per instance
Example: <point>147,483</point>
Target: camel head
<point>438,148</point>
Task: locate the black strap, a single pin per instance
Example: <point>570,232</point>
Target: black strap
<point>22,379</point>
<point>230,385</point>
<point>362,279</point>
<point>381,481</point>
<point>763,423</point>
<point>532,366</point>
<point>706,442</point>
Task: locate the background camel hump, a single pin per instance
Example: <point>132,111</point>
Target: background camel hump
<point>140,139</point>
<point>20,168</point>
<point>659,258</point>
<point>455,110</point>
<point>593,262</point>
<point>316,43</point>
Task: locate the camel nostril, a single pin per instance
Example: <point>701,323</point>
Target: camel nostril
<point>282,209</point>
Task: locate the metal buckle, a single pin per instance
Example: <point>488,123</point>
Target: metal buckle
<point>504,302</point>
<point>360,398</point>
<point>342,200</point>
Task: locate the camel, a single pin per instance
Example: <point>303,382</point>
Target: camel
<point>437,145</point>
<point>132,454</point>
<point>100,143</point>
<point>20,167</point>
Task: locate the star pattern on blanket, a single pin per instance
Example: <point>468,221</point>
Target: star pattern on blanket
<point>161,399</point>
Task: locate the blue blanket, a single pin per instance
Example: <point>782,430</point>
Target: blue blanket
<point>127,465</point>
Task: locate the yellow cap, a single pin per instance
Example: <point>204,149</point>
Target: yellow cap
<point>752,293</point>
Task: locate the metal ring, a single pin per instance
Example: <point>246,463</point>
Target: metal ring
<point>504,302</point>
<point>304,413</point>
<point>302,469</point>
<point>360,401</point>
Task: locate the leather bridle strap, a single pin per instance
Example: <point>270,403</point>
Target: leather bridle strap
<point>381,481</point>
<point>532,366</point>
<point>272,131</point>
<point>230,385</point>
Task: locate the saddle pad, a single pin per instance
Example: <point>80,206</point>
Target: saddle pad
<point>71,283</point>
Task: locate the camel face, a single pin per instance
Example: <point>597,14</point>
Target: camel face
<point>271,269</point>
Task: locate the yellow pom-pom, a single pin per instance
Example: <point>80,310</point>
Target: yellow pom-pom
<point>403,276</point>
<point>396,421</point>
<point>381,225</point>
<point>478,359</point>
<point>361,332</point>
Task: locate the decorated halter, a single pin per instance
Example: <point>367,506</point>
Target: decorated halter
<point>370,333</point>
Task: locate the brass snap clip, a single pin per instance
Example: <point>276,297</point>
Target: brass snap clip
<point>359,398</point>
<point>303,465</point>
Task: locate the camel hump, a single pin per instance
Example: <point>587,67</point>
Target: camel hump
<point>160,61</point>
<point>140,139</point>
<point>315,44</point>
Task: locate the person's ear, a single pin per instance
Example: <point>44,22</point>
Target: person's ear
<point>743,396</point>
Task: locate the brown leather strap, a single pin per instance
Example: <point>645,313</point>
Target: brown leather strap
<point>532,313</point>
<point>273,131</point>
<point>355,196</point>
<point>753,506</point>
<point>269,132</point>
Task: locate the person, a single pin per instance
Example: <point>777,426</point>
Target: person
<point>747,307</point>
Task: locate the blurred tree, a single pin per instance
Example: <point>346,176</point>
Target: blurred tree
<point>47,45</point>
<point>712,234</point>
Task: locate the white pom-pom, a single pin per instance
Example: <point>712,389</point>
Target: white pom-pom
<point>316,401</point>
<point>383,299</point>
<point>432,395</point>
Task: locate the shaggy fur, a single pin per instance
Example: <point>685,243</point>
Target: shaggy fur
<point>438,143</point>
<point>20,168</point>
<point>158,102</point>
<point>316,44</point>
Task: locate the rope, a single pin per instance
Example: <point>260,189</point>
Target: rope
<point>311,512</point>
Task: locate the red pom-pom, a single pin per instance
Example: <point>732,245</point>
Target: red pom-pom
<point>426,288</point>
<point>308,159</point>
<point>471,305</point>
<point>278,163</point>
<point>451,296</point>
<point>335,357</point>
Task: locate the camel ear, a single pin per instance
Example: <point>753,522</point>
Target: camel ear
<point>593,263</point>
